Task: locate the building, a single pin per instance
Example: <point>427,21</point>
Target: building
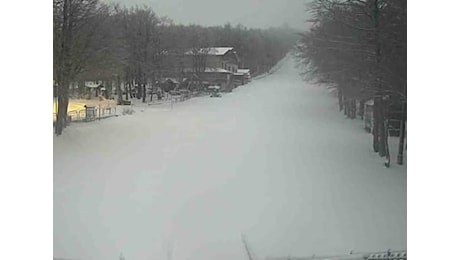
<point>202,67</point>
<point>224,58</point>
<point>242,76</point>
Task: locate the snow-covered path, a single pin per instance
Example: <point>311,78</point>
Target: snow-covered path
<point>274,160</point>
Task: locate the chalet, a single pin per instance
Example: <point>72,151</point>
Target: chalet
<point>202,67</point>
<point>214,65</point>
<point>214,57</point>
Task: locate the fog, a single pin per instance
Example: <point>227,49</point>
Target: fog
<point>250,13</point>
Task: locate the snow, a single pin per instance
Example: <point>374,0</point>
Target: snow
<point>219,70</point>
<point>274,159</point>
<point>91,84</point>
<point>218,51</point>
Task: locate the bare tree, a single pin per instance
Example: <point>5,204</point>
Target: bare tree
<point>75,24</point>
<point>140,34</point>
<point>360,46</point>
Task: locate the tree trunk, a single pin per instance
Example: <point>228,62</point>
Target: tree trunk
<point>345,107</point>
<point>154,87</point>
<point>130,89</point>
<point>63,75</point>
<point>138,91</point>
<point>352,108</point>
<point>375,119</point>
<point>348,106</point>
<point>382,135</point>
<point>387,148</point>
<point>340,96</point>
<point>63,102</point>
<point>378,141</point>
<point>143,93</point>
<point>119,92</point>
<point>402,135</point>
<point>361,109</point>
<point>109,89</point>
<point>356,109</point>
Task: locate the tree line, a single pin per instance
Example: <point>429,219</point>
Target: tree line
<point>359,47</point>
<point>96,41</point>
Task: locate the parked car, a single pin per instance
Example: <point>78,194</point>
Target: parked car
<point>214,91</point>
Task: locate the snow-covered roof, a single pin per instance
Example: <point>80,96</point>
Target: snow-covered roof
<point>218,51</point>
<point>217,70</point>
<point>210,70</point>
<point>244,71</point>
<point>173,80</point>
<point>92,84</point>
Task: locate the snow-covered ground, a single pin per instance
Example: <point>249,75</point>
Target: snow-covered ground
<point>274,160</point>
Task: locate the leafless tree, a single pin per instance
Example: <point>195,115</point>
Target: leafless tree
<point>75,24</point>
<point>360,46</point>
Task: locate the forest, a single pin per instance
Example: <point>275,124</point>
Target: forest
<point>359,48</point>
<point>95,41</point>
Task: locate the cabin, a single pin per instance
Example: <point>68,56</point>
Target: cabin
<point>168,84</point>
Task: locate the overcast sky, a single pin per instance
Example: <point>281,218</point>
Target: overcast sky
<point>250,13</point>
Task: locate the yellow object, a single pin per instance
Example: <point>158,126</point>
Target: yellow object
<point>79,104</point>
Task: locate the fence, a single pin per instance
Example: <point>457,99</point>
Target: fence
<point>386,255</point>
<point>90,113</point>
<point>396,255</point>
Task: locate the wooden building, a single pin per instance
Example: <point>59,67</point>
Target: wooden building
<point>202,67</point>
